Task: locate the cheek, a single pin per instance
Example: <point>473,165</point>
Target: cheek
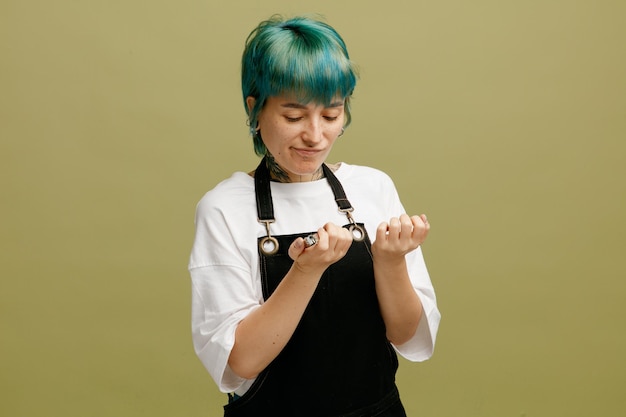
<point>335,131</point>
<point>281,131</point>
<point>273,135</point>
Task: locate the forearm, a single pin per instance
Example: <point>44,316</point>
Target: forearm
<point>263,334</point>
<point>400,305</point>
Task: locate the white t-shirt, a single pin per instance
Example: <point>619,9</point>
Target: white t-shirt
<point>224,262</point>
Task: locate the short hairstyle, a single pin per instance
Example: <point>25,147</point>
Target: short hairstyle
<point>301,56</point>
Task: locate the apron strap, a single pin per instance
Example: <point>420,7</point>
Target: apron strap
<point>265,206</point>
<point>340,194</point>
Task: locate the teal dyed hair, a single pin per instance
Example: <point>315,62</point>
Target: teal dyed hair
<point>299,56</point>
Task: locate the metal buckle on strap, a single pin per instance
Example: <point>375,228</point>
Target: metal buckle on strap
<point>358,234</point>
<point>268,245</point>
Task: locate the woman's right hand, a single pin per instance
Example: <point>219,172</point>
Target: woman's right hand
<point>332,244</point>
<point>265,331</point>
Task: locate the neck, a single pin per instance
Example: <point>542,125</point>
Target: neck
<point>277,173</point>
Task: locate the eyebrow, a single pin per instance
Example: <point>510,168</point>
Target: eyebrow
<point>296,105</point>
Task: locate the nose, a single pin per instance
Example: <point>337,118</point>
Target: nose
<point>313,132</point>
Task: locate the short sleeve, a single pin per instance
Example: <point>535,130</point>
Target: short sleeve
<point>223,283</point>
<point>216,310</point>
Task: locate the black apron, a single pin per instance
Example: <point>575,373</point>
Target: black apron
<point>338,363</point>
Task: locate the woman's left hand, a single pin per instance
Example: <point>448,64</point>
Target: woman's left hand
<point>400,305</point>
<point>399,237</point>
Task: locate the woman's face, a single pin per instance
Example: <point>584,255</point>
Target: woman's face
<point>299,136</point>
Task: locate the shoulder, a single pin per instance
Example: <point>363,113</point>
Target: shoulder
<point>234,192</point>
<point>363,176</point>
<point>372,190</point>
<point>224,219</point>
<point>232,197</point>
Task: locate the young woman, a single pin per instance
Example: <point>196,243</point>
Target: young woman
<point>307,278</point>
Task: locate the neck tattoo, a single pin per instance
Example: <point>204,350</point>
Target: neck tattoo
<point>280,175</point>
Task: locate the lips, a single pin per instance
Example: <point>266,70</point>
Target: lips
<point>307,153</point>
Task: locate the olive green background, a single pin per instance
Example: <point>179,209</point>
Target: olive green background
<point>504,121</point>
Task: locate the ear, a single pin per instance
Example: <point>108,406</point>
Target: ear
<point>250,102</point>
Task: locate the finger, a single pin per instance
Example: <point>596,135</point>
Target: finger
<point>421,227</point>
<point>345,240</point>
<point>337,236</point>
<point>296,248</point>
<point>395,227</point>
<point>381,231</point>
<point>425,220</point>
<point>323,238</point>
<point>407,227</point>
